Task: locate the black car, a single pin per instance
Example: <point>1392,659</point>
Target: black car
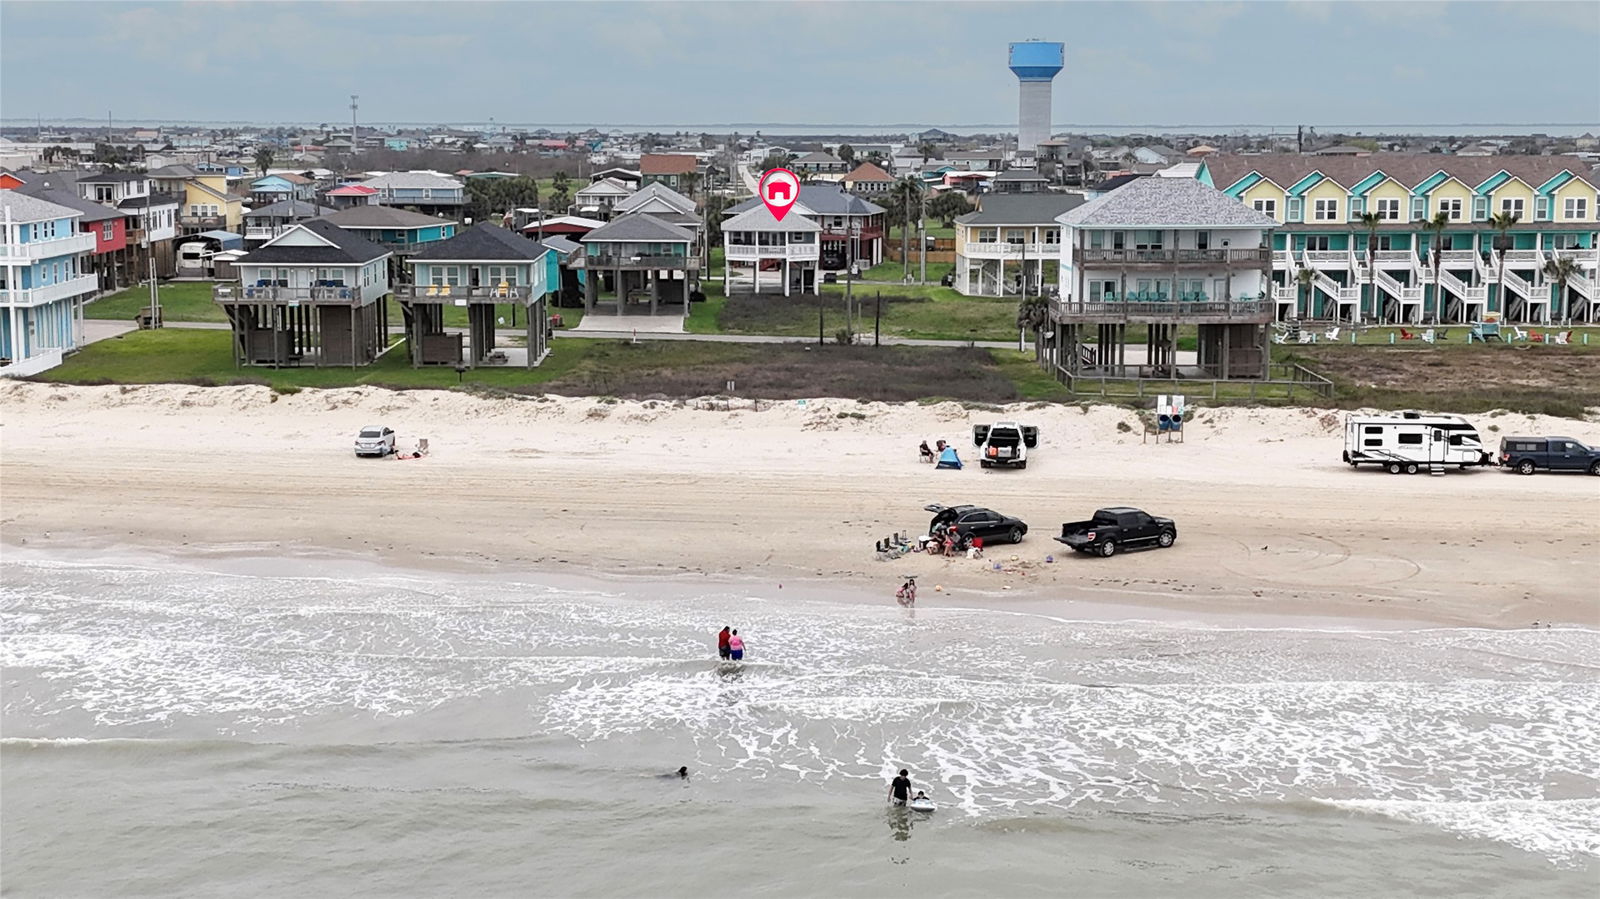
<point>976,521</point>
<point>1526,455</point>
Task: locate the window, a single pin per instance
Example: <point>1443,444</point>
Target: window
<point>1389,209</point>
<point>1372,441</point>
<point>1564,241</point>
<point>1451,207</point>
<point>1419,208</point>
<point>1409,439</point>
<point>1480,209</point>
<point>1052,236</point>
<point>1267,207</point>
<point>988,235</point>
<point>1118,240</point>
<point>1317,243</point>
<point>1575,208</point>
<point>1541,209</point>
<point>1147,240</point>
<point>1202,240</point>
<point>1512,205</point>
<point>1358,205</point>
<point>108,231</point>
<point>1296,206</point>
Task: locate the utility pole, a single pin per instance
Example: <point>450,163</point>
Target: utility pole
<point>355,144</point>
<point>922,235</point>
<point>150,262</point>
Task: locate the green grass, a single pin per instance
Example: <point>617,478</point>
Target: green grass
<point>894,271</point>
<point>177,355</point>
<point>704,317</point>
<point>184,301</point>
<point>1032,380</point>
<point>927,313</point>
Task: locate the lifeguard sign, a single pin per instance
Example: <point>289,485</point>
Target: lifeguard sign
<point>779,188</point>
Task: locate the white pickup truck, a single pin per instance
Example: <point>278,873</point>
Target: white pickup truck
<point>1004,443</point>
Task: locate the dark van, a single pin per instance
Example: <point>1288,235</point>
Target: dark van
<point>1527,455</point>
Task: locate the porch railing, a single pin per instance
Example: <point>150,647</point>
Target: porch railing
<point>1257,256</point>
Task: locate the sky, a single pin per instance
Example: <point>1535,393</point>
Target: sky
<point>924,63</point>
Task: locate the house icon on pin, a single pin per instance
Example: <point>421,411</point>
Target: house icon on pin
<point>775,187</point>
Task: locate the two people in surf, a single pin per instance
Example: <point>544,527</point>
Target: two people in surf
<point>730,646</point>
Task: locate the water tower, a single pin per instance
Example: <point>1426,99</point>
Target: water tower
<point>1035,63</point>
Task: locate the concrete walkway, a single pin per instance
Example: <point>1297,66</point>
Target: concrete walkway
<point>645,325</point>
<point>98,329</point>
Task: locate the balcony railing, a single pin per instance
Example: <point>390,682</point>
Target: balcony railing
<point>665,261</point>
<point>791,251</point>
<point>260,233</point>
<point>202,221</point>
<point>1012,250</point>
<point>1172,257</point>
<point>449,293</point>
<point>352,296</point>
<point>61,290</point>
<point>1242,310</point>
<point>35,250</point>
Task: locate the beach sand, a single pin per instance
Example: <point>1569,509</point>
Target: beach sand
<point>1270,521</point>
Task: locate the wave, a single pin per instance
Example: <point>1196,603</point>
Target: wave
<point>1562,830</point>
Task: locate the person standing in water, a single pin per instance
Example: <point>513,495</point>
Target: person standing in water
<point>722,642</point>
<point>900,788</point>
<point>735,646</point>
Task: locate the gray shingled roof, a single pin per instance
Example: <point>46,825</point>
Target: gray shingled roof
<point>641,226</point>
<point>62,196</point>
<point>23,208</point>
<point>482,242</point>
<point>290,209</point>
<point>1021,175</point>
<point>761,218</point>
<point>347,249</point>
<point>154,199</point>
<point>656,191</point>
<point>1165,202</point>
<point>562,245</point>
<point>1021,209</point>
<point>822,199</point>
<point>383,217</point>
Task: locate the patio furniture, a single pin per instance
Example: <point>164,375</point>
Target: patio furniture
<point>1484,332</point>
<point>1562,338</point>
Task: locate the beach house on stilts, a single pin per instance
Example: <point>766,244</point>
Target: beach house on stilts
<point>498,278</point>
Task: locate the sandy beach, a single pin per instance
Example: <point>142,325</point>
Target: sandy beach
<point>1271,522</point>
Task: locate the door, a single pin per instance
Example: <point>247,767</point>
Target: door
<point>1568,458</point>
<point>1437,447</point>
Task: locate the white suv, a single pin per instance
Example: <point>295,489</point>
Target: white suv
<point>375,440</point>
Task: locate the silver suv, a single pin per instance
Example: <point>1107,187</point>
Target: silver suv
<point>375,440</point>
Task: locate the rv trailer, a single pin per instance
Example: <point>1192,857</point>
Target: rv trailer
<point>1412,441</point>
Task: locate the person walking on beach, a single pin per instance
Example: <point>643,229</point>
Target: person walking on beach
<point>722,642</point>
<point>735,646</point>
<point>900,788</point>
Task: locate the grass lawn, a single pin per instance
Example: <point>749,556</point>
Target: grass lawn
<point>894,271</point>
<point>929,313</point>
<point>183,301</point>
<point>704,317</point>
<point>597,367</point>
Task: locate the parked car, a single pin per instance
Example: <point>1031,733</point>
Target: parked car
<point>1117,528</point>
<point>1526,455</point>
<point>976,521</point>
<point>830,278</point>
<point>375,440</point>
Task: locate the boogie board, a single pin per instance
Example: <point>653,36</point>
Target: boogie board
<point>921,805</point>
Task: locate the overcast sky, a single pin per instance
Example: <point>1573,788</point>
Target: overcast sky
<point>1319,63</point>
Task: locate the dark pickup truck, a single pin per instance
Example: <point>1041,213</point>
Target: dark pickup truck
<point>1118,528</point>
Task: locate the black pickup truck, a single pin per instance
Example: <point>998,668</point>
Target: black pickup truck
<point>1118,528</point>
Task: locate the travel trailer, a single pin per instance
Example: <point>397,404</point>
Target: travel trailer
<point>1412,441</point>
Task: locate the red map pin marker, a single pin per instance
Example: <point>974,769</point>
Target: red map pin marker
<point>780,188</point>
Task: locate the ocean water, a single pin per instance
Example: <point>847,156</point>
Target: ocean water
<point>171,729</point>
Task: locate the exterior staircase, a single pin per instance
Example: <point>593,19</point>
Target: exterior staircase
<point>1346,300</point>
<point>1408,298</point>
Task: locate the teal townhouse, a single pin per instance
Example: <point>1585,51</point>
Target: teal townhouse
<point>1424,238</point>
<point>43,283</point>
<point>498,277</point>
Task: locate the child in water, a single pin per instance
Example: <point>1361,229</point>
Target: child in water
<point>735,647</point>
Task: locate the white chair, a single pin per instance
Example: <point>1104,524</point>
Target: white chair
<point>1427,336</point>
<point>1561,337</point>
<point>1518,334</point>
<point>1331,334</point>
<point>1307,337</point>
<point>1280,337</point>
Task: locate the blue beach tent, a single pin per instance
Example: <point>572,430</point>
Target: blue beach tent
<point>949,459</point>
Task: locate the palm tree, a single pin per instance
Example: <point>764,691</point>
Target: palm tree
<point>263,158</point>
<point>1436,226</point>
<point>847,154</point>
<point>1306,277</point>
<point>1560,270</point>
<point>1370,221</point>
<point>690,181</point>
<point>1503,222</point>
<point>908,192</point>
<point>1032,315</point>
<point>928,151</point>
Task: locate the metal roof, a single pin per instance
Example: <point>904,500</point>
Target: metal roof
<point>1163,202</point>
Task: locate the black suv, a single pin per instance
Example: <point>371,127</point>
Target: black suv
<point>976,521</point>
<point>1529,454</point>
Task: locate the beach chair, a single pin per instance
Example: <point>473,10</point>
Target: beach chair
<point>1280,338</point>
<point>1561,338</point>
<point>1428,336</point>
<point>1407,335</point>
<point>1331,334</point>
<point>1307,337</point>
<point>433,290</point>
<point>1444,334</point>
<point>1536,337</point>
<point>505,289</point>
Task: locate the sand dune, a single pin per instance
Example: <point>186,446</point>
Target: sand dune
<point>1270,520</point>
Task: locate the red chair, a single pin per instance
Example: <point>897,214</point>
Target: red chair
<point>1407,335</point>
<point>1536,337</point>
